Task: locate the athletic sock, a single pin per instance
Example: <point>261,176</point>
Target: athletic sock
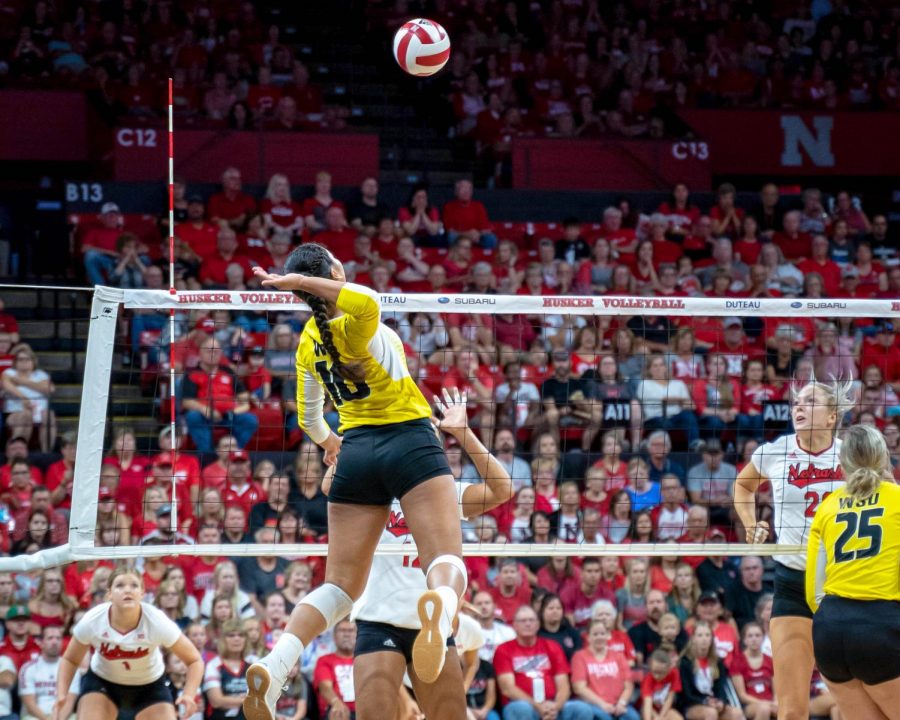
<point>451,603</point>
<point>283,657</point>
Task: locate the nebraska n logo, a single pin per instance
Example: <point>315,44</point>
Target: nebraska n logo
<point>816,142</point>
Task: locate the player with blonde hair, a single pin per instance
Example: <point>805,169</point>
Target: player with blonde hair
<point>853,581</point>
<point>803,468</point>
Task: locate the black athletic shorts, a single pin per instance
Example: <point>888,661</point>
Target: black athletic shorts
<point>372,637</point>
<point>378,463</point>
<point>857,640</point>
<point>129,699</point>
<point>790,593</point>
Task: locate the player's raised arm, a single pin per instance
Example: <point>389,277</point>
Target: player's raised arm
<point>497,487</point>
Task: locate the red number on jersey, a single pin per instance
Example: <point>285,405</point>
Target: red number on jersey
<point>411,561</point>
<point>812,502</point>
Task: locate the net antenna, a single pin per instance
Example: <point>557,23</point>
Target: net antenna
<point>172,410</point>
<point>92,427</point>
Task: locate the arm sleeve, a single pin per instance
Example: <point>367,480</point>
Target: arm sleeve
<point>310,399</point>
<point>502,662</point>
<point>363,311</point>
<point>211,677</point>
<point>816,562</point>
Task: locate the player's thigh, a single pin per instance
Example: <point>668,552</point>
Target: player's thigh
<point>157,711</point>
<point>96,706</point>
<point>886,696</point>
<point>444,699</point>
<point>431,510</point>
<point>377,678</point>
<point>353,534</point>
<point>793,658</point>
<point>854,702</point>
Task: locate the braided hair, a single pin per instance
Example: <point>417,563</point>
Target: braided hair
<point>314,260</point>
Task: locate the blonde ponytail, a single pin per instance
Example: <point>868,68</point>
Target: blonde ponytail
<point>865,461</point>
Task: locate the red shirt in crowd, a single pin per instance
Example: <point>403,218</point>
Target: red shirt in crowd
<point>225,207</point>
<point>246,496</point>
<point>605,678</point>
<point>132,481</point>
<point>202,239</point>
<point>283,213</point>
<point>539,663</point>
<point>829,270</point>
<point>340,242</point>
<point>793,246</point>
<point>463,216</point>
<point>8,323</point>
<point>29,651</point>
<point>56,475</point>
<point>338,670</point>
<point>5,476</point>
<point>507,606</point>
<point>659,689</point>
<point>758,682</point>
<point>578,605</point>
<point>220,387</point>
<point>213,268</point>
<point>101,238</point>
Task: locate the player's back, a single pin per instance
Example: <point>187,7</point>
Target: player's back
<point>860,544</point>
<point>388,394</point>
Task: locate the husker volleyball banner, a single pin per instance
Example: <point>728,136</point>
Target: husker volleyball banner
<point>526,304</point>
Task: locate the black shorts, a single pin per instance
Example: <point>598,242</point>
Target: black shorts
<point>857,640</point>
<point>372,637</point>
<point>129,699</point>
<point>790,593</point>
<point>378,463</point>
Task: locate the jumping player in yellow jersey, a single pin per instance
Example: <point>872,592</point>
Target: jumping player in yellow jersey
<point>389,450</point>
<point>853,581</point>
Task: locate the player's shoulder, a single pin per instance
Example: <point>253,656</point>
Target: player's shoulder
<point>890,494</point>
<point>97,614</point>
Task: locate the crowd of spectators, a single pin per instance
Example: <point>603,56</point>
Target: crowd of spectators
<point>614,430</point>
<point>229,62</point>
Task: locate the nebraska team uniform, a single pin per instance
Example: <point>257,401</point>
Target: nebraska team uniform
<point>128,668</point>
<point>800,482</point>
<point>387,610</point>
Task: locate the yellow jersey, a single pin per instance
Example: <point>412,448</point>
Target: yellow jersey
<point>388,395</point>
<point>854,547</point>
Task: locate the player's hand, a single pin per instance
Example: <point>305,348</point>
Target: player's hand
<point>758,533</point>
<point>453,411</point>
<point>326,481</point>
<point>289,282</point>
<point>187,706</point>
<point>332,448</point>
<point>56,712</point>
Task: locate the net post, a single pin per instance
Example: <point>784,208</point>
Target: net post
<point>92,415</point>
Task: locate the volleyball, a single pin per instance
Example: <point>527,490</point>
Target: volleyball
<point>421,47</point>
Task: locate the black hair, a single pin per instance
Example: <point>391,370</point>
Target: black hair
<point>314,260</point>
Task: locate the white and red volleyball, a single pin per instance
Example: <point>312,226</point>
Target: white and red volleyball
<point>421,47</point>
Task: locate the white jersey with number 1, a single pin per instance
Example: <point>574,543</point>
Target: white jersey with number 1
<point>132,658</point>
<point>800,482</point>
<point>396,581</point>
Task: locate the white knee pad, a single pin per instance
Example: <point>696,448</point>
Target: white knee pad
<point>456,562</point>
<point>332,602</point>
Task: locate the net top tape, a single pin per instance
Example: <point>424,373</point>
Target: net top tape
<point>528,304</point>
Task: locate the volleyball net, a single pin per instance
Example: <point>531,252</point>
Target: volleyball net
<point>623,420</point>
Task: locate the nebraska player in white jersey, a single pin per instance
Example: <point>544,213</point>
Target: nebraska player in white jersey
<point>803,469</point>
<point>127,673</point>
<point>387,619</point>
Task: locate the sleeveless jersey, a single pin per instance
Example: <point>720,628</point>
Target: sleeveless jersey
<point>134,658</point>
<point>388,395</point>
<point>396,581</point>
<point>218,675</point>
<point>800,482</point>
